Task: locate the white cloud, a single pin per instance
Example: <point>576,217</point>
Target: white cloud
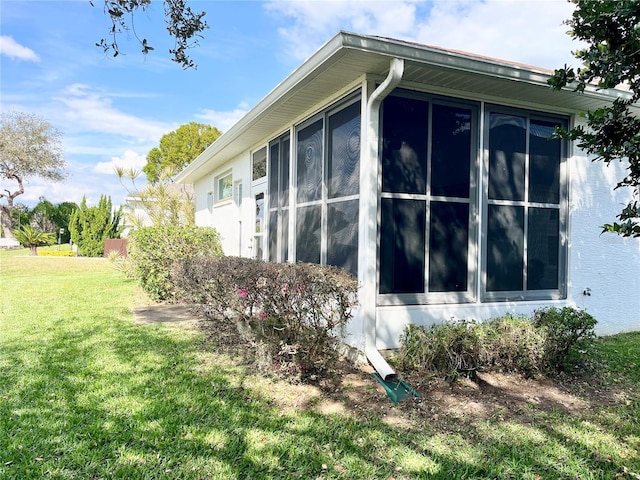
<point>128,160</point>
<point>223,120</point>
<point>527,31</point>
<point>89,111</point>
<point>12,49</point>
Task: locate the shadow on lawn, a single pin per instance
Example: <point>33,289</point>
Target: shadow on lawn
<point>118,400</point>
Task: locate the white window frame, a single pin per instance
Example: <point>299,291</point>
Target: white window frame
<point>223,194</point>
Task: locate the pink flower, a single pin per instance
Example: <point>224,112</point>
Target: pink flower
<point>263,316</point>
<point>242,293</point>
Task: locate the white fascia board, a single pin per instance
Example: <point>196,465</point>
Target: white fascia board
<point>470,63</point>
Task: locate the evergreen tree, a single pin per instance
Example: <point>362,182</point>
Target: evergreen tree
<point>91,226</point>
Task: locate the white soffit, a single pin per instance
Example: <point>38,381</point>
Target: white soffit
<point>347,57</point>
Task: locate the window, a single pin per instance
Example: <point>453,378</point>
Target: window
<point>278,185</point>
<point>428,245</point>
<point>328,187</point>
<point>259,166</point>
<point>224,187</point>
<point>326,177</point>
<point>524,207</point>
<point>427,207</point>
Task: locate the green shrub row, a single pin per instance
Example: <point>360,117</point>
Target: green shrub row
<point>553,340</point>
<point>297,310</point>
<point>153,251</point>
<point>56,253</point>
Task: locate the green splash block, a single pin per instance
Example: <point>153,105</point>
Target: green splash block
<point>396,389</point>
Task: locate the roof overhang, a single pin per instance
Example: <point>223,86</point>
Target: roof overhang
<point>348,58</point>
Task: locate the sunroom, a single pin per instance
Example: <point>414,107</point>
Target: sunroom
<point>431,175</point>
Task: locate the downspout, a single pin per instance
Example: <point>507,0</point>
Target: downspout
<point>370,215</point>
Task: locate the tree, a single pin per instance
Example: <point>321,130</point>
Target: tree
<point>91,226</point>
<point>178,148</point>
<point>184,25</point>
<point>611,29</point>
<point>159,204</point>
<point>29,147</point>
<point>33,238</point>
<point>52,218</point>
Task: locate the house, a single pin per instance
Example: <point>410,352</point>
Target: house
<point>430,174</point>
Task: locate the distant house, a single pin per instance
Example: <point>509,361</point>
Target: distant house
<point>431,176</point>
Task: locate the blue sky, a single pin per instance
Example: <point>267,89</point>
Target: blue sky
<point>112,111</point>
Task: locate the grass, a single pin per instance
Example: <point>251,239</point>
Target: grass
<point>85,394</point>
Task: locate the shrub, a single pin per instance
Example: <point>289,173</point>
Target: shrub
<point>569,335</point>
<point>153,251</point>
<point>550,342</point>
<point>514,345</point>
<point>297,310</point>
<point>449,349</point>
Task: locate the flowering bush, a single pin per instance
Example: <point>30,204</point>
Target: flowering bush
<point>298,310</point>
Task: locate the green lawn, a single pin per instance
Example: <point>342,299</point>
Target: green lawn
<point>87,394</point>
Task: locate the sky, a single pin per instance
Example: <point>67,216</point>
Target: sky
<point>112,111</point>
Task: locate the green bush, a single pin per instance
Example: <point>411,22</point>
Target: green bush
<point>569,335</point>
<point>554,340</point>
<point>154,250</point>
<point>297,310</point>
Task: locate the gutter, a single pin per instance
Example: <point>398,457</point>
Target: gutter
<point>396,70</point>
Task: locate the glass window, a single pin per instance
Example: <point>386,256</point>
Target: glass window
<point>259,166</point>
<point>225,187</point>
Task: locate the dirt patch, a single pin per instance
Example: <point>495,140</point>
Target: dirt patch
<point>164,314</point>
<point>353,391</point>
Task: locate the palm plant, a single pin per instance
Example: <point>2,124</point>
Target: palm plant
<point>33,238</point>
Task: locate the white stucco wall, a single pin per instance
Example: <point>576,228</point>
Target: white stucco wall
<point>231,221</point>
<point>606,264</point>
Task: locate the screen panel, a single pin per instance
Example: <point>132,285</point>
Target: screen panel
<point>505,247</point>
<point>344,152</point>
<point>448,247</point>
<point>404,150</point>
<point>402,246</point>
<point>450,151</point>
<point>507,156</point>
